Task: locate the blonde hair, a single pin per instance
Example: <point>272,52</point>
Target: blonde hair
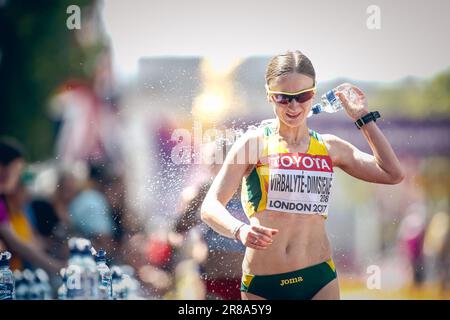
<point>289,62</point>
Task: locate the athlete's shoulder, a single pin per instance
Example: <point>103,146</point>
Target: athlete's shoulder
<point>335,146</point>
<point>331,139</point>
<point>248,145</point>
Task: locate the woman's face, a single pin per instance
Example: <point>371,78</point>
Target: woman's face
<point>293,114</point>
<point>10,175</point>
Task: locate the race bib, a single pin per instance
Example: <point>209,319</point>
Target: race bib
<point>299,183</point>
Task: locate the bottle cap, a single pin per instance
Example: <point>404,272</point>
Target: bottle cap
<point>72,242</point>
<point>62,272</point>
<point>41,275</point>
<point>86,249</point>
<point>28,275</point>
<point>316,109</point>
<point>4,258</point>
<point>100,256</point>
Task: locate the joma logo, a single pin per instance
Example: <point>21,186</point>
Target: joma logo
<point>291,281</point>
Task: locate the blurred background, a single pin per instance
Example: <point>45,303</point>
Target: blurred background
<point>94,109</point>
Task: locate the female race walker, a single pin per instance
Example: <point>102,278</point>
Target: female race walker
<point>286,185</point>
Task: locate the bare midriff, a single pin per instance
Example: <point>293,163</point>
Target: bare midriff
<point>301,242</point>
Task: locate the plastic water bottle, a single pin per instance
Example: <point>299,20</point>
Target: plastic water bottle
<point>105,276</point>
<point>62,290</point>
<point>74,272</point>
<point>118,289</point>
<point>330,103</point>
<point>37,288</point>
<point>75,289</point>
<point>90,272</point>
<point>42,280</point>
<point>130,282</point>
<point>74,251</point>
<point>21,286</point>
<point>7,287</point>
<point>81,274</point>
<point>30,280</point>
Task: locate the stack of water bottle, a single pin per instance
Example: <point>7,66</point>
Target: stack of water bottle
<point>32,285</point>
<point>87,277</point>
<point>22,285</point>
<point>7,290</point>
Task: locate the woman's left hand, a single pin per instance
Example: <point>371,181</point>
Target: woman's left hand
<point>356,104</point>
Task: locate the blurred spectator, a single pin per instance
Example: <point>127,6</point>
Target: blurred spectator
<point>411,236</point>
<point>50,229</point>
<point>66,190</point>
<point>16,201</point>
<point>15,229</point>
<point>444,263</point>
<point>90,212</point>
<point>43,216</point>
<point>148,256</point>
<point>437,247</point>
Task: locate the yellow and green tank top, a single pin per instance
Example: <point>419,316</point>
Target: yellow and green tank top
<point>291,182</point>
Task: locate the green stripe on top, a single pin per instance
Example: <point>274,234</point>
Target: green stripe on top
<point>315,135</point>
<point>254,192</point>
<point>267,131</point>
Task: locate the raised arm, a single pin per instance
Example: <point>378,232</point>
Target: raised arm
<point>381,167</point>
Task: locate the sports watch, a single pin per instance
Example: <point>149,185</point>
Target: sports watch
<point>371,116</point>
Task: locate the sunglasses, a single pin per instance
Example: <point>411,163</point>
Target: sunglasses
<point>282,97</point>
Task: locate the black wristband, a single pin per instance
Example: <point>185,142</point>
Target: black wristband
<point>371,116</point>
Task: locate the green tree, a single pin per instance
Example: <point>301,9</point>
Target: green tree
<point>415,98</point>
<point>37,53</point>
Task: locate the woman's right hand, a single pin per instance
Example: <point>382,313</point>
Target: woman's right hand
<point>256,237</point>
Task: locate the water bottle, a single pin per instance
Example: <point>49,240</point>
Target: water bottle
<point>62,290</point>
<point>7,287</point>
<point>118,290</point>
<point>131,284</point>
<point>34,290</point>
<point>74,251</point>
<point>27,278</point>
<point>330,103</point>
<point>90,273</point>
<point>37,290</point>
<point>21,286</point>
<point>105,276</point>
<point>42,280</point>
<point>74,273</point>
<point>75,289</point>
